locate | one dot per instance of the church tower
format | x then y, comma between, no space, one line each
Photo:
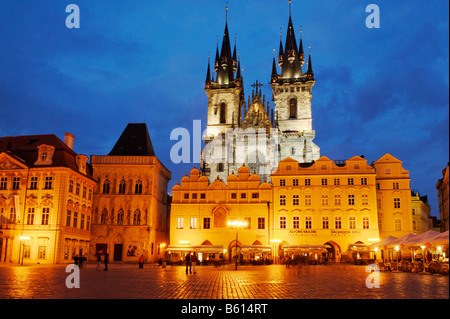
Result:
292,95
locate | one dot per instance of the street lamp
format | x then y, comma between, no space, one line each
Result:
376,250
236,224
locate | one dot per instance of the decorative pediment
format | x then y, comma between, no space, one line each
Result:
45,155
8,162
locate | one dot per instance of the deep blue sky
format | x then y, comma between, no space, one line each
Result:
377,91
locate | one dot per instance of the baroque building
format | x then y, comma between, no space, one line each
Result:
443,192
46,194
251,132
421,210
130,199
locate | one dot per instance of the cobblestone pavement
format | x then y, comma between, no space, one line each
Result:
248,282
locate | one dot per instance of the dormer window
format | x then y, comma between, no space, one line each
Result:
81,163
45,155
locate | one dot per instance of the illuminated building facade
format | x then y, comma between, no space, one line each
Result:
46,193
130,199
420,210
443,190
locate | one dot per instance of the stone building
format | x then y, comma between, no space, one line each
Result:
46,192
443,189
251,132
421,210
130,199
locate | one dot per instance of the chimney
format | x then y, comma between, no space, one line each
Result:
68,140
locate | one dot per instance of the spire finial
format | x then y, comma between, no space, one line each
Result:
289,8
226,13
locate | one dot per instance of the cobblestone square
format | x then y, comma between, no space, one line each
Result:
127,281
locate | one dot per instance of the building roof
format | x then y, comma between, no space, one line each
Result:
134,141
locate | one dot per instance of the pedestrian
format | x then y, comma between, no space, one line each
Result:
76,260
188,263
141,261
80,262
286,261
99,260
194,260
106,260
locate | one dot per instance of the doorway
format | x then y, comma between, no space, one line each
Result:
118,249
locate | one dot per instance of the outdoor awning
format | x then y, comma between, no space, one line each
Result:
306,248
198,249
255,248
359,247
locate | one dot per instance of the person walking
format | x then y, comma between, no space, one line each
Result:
80,262
188,263
194,260
99,261
141,261
106,260
76,260
286,261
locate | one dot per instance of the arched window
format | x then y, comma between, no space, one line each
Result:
223,113
122,187
120,217
293,108
137,217
104,217
138,187
106,187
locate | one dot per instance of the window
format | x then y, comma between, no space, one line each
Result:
106,187
282,200
365,200
45,215
398,225
137,217
296,222
283,222
77,189
202,195
206,223
220,167
233,195
34,182
138,187
352,222
255,195
282,182
193,223
307,182
16,183
363,180
324,182
293,108
413,211
356,166
307,200
75,219
324,200
337,200
30,216
12,215
308,222
104,217
414,225
395,186
122,187
396,202
243,195
351,200
351,181
295,200
70,185
68,218
120,217
337,182
3,183
84,191
186,195
180,222
338,222
378,186
261,223
42,250
88,223
223,113
82,221
194,196
325,222
90,194
48,182
365,221
295,182
379,203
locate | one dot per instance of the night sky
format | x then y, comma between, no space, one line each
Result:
377,91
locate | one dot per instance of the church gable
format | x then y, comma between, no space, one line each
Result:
8,162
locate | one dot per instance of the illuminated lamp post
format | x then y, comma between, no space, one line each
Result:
397,249
375,254
236,224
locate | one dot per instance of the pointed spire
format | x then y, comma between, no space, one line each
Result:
310,73
300,47
208,73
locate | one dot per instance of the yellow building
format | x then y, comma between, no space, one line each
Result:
393,197
443,192
420,213
200,213
130,201
46,192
